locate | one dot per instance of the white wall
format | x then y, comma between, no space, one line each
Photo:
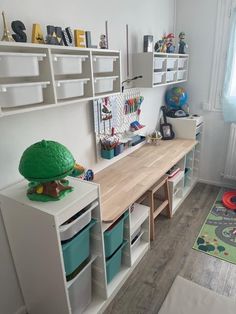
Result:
72,125
198,20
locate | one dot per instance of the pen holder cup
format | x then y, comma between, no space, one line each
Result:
118,149
107,154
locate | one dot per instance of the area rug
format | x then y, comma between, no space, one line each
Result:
186,297
218,234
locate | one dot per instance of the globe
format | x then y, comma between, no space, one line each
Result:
176,98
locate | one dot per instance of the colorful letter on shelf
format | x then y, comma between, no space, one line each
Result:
37,34
18,27
88,40
79,38
54,35
67,37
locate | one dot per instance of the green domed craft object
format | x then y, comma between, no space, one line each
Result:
45,164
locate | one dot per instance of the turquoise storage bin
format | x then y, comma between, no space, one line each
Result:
114,237
77,249
113,264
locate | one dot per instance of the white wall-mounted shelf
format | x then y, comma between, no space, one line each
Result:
72,75
159,69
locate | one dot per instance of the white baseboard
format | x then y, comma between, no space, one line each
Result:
217,183
21,310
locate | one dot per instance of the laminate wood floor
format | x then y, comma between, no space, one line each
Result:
171,254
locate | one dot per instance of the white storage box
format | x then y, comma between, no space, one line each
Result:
171,62
158,77
104,84
137,232
13,95
80,290
159,63
181,75
70,229
136,243
182,63
70,88
68,64
103,63
15,64
170,76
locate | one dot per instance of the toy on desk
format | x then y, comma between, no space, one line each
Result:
154,137
45,164
80,172
103,42
170,48
182,44
176,101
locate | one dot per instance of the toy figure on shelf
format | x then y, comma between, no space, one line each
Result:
164,45
103,42
158,45
6,33
169,43
182,44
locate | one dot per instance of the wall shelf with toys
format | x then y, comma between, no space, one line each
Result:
158,69
37,76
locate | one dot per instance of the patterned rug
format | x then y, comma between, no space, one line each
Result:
218,234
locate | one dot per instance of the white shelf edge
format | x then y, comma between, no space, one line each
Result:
139,251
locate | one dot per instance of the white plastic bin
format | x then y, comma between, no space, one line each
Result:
13,95
80,290
70,88
136,243
182,62
103,63
181,75
170,76
68,230
104,84
15,64
171,63
68,64
159,63
158,77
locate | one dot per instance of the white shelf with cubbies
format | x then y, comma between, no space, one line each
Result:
34,76
159,69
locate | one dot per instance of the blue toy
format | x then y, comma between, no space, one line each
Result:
176,98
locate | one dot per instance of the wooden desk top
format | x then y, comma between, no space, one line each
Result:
128,179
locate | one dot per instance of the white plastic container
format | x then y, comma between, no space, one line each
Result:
67,231
138,231
15,64
103,63
80,290
104,84
181,75
171,62
70,88
170,76
68,64
159,63
13,95
158,77
182,62
136,243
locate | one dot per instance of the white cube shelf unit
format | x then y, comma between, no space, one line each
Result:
34,76
159,69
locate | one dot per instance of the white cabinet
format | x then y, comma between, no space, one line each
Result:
34,76
160,68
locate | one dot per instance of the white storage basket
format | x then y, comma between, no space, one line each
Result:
70,88
103,63
15,64
158,77
68,64
68,230
136,243
170,76
159,63
171,63
181,75
182,63
104,84
13,95
80,290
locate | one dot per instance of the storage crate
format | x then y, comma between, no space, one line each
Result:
182,63
103,63
13,95
158,77
170,76
114,236
113,264
68,230
80,289
159,63
171,63
68,64
181,75
70,88
15,64
104,84
77,249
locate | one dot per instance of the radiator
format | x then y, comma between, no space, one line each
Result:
230,166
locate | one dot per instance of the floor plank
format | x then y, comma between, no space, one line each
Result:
172,254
